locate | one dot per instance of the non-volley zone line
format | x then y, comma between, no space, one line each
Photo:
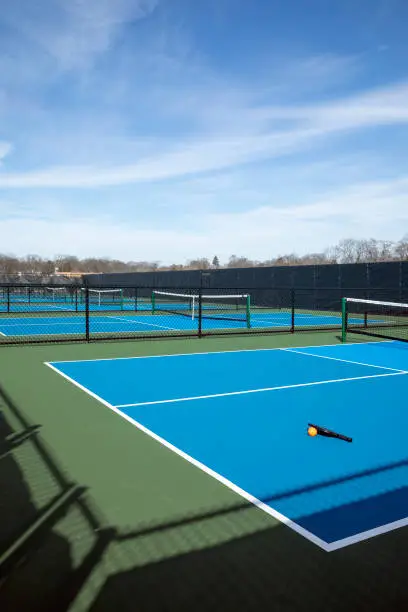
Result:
263,390
352,361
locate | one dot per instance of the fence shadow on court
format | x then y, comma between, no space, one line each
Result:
43,516
61,555
256,565
274,569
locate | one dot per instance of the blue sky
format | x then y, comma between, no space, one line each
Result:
172,129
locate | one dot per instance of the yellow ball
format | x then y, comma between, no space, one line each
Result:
312,431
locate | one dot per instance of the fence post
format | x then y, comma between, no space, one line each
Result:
400,282
87,314
343,319
292,308
200,313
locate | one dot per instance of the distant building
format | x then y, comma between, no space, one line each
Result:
70,274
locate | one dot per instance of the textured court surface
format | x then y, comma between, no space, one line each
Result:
100,516
242,417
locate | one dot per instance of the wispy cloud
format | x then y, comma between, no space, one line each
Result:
198,155
374,208
5,148
145,120
297,77
74,33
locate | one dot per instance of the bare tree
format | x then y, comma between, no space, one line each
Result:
199,264
349,250
287,260
239,262
401,249
9,264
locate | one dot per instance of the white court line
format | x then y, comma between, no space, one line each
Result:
258,350
4,324
300,352
253,500
60,307
81,321
365,535
1,334
247,391
125,319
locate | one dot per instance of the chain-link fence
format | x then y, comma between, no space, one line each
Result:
55,313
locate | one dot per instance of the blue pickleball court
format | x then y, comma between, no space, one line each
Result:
242,416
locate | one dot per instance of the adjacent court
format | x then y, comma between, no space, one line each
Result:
123,323
241,416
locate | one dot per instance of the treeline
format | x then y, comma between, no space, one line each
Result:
346,251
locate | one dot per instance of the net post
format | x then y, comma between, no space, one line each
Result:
200,312
29,295
76,299
87,314
343,319
8,299
292,311
248,310
153,303
121,299
135,298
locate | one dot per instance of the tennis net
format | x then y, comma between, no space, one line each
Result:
58,294
234,307
387,320
104,297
